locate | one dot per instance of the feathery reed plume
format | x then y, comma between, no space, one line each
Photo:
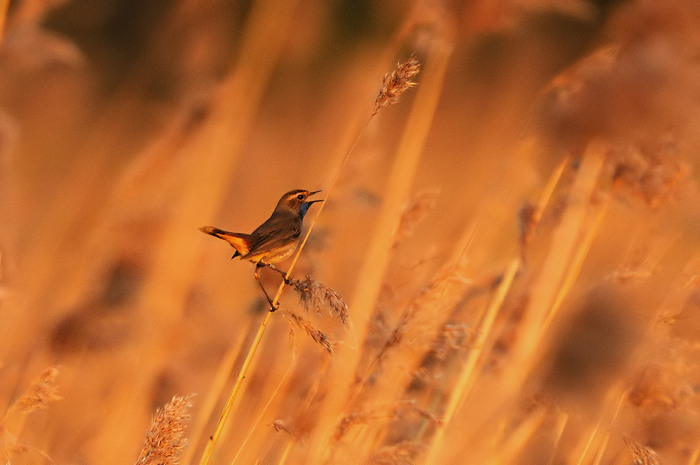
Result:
446,286
37,396
42,391
402,453
657,386
279,425
315,294
526,223
451,338
414,212
317,335
397,410
649,172
641,454
10,446
396,83
165,438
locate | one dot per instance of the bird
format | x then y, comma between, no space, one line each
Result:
273,241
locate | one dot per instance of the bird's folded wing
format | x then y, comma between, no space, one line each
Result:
272,239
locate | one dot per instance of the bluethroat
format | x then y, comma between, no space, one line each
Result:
273,241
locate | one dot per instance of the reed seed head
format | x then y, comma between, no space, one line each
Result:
414,212
402,453
316,334
399,410
42,391
10,446
396,83
165,438
280,425
316,295
641,454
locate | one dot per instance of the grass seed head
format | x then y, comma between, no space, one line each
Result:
415,211
641,454
396,83
42,391
402,453
316,334
314,295
165,438
279,425
399,410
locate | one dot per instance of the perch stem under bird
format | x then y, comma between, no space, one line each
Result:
273,241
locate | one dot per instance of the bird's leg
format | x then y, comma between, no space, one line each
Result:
273,307
283,273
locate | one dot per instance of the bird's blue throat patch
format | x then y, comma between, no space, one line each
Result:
303,209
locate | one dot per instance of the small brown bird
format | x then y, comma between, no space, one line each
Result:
273,241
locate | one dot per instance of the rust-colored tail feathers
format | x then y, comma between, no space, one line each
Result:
239,241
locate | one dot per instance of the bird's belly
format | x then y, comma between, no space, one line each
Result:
276,255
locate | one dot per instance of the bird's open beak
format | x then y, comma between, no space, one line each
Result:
313,201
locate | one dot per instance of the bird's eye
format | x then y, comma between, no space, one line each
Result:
300,196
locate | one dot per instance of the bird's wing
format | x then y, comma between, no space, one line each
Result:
240,242
276,232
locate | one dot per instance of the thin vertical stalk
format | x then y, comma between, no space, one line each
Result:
466,376
561,426
606,437
209,403
577,261
547,290
519,438
211,443
377,250
256,423
266,32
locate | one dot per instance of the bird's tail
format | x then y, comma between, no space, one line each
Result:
239,241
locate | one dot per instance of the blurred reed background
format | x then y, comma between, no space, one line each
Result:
517,239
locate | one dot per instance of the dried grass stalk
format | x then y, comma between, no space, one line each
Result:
396,83
417,319
165,438
279,425
42,391
316,334
651,173
12,450
452,337
10,446
402,453
316,295
414,212
393,411
379,242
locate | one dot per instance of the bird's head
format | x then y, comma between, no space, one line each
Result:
297,201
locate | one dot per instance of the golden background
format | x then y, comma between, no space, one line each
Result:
517,238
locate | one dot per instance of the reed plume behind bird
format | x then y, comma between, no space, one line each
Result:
273,241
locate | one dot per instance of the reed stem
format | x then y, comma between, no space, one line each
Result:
211,443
